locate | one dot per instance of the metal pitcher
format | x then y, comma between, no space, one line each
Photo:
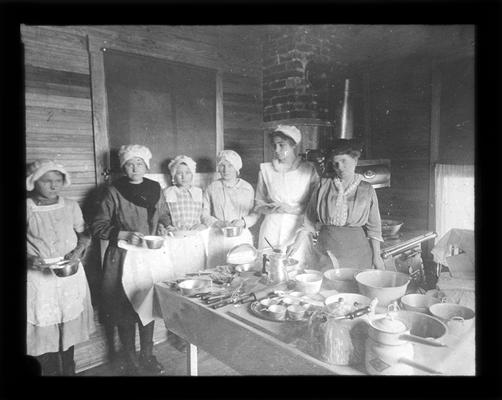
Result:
274,266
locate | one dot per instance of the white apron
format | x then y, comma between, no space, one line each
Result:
53,300
293,188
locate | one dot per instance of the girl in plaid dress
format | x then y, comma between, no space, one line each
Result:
184,200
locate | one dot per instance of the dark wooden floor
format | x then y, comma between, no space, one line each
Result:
174,362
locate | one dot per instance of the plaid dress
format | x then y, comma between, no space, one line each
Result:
185,206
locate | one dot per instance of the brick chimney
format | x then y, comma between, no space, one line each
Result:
287,96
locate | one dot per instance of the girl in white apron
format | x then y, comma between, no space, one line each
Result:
229,201
59,309
283,190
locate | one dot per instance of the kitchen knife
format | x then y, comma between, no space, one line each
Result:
246,298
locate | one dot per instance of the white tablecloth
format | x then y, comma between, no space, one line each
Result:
144,267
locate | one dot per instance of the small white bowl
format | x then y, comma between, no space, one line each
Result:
308,283
296,312
277,311
418,302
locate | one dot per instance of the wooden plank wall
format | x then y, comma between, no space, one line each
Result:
400,128
59,109
58,105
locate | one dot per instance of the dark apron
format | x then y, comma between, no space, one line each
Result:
348,244
115,307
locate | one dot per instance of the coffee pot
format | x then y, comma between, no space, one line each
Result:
275,267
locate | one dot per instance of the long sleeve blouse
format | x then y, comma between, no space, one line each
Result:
227,203
362,208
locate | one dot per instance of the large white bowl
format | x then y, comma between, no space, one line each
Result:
308,283
386,286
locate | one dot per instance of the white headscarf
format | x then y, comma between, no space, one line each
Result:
134,150
290,131
232,157
181,159
40,167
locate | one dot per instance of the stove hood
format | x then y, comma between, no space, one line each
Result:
376,171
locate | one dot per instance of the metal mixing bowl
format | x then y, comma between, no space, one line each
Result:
386,286
154,242
231,231
193,286
65,268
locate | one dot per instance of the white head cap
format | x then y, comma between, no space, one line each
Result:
232,157
290,131
40,167
134,150
181,159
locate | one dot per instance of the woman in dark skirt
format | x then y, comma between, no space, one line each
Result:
343,209
132,207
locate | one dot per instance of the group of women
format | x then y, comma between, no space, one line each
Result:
295,202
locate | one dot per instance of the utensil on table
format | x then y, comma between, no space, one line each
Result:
272,247
354,314
244,298
416,365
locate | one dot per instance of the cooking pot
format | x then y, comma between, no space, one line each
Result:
392,330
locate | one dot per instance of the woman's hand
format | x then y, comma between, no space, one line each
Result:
268,208
75,254
284,208
36,263
219,224
130,237
198,227
378,262
238,222
162,230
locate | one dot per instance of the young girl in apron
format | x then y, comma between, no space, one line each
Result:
59,309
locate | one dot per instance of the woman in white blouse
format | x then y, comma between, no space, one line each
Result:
229,201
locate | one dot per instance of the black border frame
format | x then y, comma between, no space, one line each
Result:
16,371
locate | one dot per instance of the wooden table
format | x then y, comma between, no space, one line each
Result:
253,346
